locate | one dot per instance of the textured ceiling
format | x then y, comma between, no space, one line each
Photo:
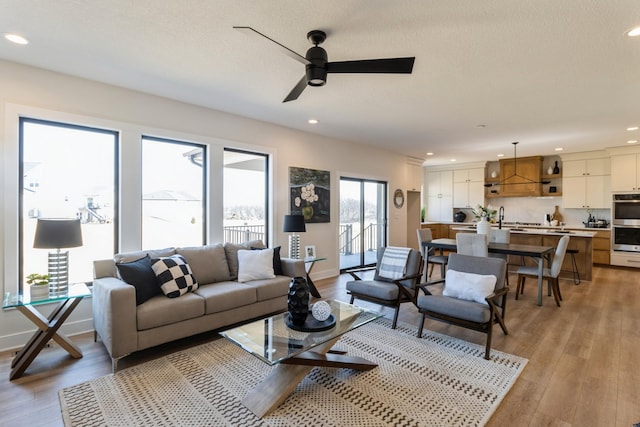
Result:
547,73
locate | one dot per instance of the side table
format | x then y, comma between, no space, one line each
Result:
308,266
47,326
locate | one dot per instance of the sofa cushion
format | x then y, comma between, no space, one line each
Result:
231,249
277,261
255,265
140,275
160,311
208,263
270,288
223,296
174,275
153,253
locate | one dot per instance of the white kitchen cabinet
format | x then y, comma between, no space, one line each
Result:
414,177
439,195
586,184
468,187
625,174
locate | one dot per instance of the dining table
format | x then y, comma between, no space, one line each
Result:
540,254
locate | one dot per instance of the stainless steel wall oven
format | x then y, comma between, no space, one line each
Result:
625,214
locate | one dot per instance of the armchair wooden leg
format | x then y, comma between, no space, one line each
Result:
487,350
520,286
395,317
421,326
431,269
352,298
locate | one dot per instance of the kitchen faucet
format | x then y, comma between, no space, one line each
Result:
500,217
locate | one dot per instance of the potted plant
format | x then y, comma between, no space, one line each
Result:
39,285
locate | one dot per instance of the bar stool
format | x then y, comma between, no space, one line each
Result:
574,266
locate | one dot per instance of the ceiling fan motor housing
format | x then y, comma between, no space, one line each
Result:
316,70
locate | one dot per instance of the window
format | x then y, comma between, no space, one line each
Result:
245,196
173,193
67,171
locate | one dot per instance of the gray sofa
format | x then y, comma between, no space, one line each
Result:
219,301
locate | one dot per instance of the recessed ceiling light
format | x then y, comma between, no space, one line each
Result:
313,121
500,155
15,38
453,160
559,148
632,141
481,126
429,153
634,32
632,128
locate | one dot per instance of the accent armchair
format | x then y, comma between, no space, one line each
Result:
385,291
474,296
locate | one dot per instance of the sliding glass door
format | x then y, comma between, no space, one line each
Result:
362,221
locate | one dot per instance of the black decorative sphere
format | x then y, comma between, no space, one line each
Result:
298,300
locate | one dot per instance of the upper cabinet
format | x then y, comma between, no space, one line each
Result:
586,182
415,173
625,174
468,187
439,187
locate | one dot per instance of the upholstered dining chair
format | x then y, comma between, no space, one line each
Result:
501,235
474,296
425,235
550,274
387,291
472,244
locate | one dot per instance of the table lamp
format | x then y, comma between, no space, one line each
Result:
294,224
58,234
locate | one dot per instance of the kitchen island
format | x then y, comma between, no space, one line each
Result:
580,240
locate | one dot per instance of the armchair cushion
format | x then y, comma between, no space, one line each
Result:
387,291
469,286
455,308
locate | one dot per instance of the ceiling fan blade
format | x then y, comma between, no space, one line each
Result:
388,65
297,90
291,54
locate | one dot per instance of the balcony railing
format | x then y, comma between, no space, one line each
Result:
243,233
350,243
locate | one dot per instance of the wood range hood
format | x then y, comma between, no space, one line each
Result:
521,177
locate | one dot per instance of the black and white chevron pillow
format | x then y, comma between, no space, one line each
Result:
174,275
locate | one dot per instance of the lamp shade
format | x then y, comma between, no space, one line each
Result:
294,224
57,233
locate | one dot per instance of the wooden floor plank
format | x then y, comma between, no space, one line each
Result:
582,371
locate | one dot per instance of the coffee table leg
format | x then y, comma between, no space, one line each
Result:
285,377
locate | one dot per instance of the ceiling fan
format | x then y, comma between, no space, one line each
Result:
317,65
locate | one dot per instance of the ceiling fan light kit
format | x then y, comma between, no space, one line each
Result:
317,64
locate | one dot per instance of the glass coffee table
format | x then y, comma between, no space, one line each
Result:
296,353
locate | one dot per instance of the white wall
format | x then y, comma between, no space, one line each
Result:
27,90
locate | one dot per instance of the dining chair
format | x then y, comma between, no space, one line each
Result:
425,235
472,244
386,291
549,273
501,235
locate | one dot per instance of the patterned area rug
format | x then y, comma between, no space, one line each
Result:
433,381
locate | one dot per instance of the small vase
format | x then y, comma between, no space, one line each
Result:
483,226
550,170
307,212
298,300
556,169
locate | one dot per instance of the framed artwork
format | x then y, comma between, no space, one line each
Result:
310,251
309,192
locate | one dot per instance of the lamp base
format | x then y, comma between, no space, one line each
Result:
58,272
294,246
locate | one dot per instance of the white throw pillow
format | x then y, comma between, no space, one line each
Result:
255,265
469,286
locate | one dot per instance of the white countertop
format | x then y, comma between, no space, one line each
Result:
553,231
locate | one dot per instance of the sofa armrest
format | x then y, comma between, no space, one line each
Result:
293,267
104,268
114,315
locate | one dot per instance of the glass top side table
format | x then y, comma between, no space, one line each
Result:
47,326
308,266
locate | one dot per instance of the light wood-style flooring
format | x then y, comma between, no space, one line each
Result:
583,357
